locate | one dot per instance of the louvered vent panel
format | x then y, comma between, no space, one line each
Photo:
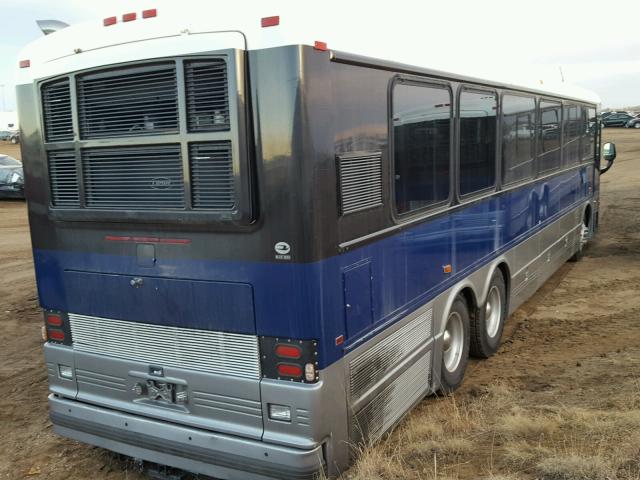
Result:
360,181
128,102
212,180
141,177
63,178
56,110
207,95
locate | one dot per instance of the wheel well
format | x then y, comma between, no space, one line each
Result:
506,275
470,298
587,216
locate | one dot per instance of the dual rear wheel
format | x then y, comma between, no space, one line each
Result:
475,333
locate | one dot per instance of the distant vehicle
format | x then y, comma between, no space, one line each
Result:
11,178
616,120
15,137
604,115
5,135
633,123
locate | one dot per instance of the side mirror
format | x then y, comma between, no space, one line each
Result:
609,154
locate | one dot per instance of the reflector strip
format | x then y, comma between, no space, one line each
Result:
172,241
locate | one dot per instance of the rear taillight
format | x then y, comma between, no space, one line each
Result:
56,328
288,359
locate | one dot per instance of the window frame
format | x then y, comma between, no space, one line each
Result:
464,198
539,152
534,160
421,82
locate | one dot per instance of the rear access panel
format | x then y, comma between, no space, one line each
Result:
207,305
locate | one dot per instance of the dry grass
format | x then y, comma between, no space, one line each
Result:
498,435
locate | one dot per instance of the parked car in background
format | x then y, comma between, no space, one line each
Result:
5,135
11,178
633,123
616,120
15,137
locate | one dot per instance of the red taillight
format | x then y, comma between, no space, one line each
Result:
129,17
109,21
288,351
152,12
270,21
322,46
57,335
289,370
54,320
25,63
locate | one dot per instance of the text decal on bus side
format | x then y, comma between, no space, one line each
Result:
283,250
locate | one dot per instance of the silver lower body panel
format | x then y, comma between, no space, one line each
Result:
191,449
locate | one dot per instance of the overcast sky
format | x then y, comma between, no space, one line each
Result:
595,43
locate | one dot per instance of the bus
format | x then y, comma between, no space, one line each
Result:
254,251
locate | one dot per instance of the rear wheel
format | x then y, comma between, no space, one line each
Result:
487,326
584,238
455,346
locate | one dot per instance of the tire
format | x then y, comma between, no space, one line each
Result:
14,140
577,256
488,324
455,346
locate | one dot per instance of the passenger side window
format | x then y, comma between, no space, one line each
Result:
550,127
571,147
518,138
477,140
421,145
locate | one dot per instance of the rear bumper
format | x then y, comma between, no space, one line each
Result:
190,449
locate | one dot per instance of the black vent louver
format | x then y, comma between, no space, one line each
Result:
207,95
56,110
136,178
212,180
128,102
63,179
360,181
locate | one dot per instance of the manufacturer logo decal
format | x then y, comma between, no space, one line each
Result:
283,249
160,183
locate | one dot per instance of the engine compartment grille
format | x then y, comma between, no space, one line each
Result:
120,162
128,102
63,177
56,111
140,177
202,350
207,95
212,182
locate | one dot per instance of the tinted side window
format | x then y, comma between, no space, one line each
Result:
591,130
477,141
518,137
550,128
421,143
571,147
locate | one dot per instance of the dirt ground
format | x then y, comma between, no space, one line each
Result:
560,401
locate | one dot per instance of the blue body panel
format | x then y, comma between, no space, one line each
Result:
297,300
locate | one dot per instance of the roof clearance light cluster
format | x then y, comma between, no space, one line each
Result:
130,17
270,21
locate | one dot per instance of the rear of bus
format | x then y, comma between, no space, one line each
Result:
166,235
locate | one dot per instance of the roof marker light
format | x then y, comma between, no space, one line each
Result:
129,17
270,21
152,12
109,21
322,46
25,63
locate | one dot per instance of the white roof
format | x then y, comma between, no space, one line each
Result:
179,30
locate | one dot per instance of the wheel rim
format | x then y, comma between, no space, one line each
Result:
493,311
453,342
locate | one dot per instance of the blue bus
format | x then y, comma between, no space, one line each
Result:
252,257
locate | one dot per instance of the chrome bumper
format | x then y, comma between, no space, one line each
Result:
190,449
